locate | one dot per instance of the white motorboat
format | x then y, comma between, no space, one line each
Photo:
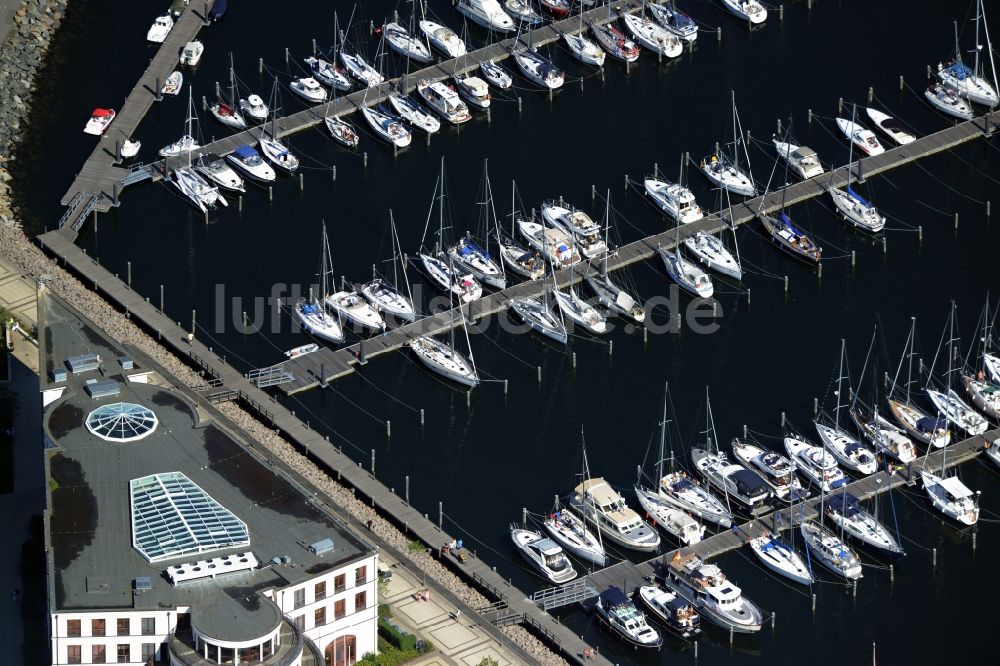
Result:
254,107
328,74
815,463
553,244
526,263
715,596
191,53
748,10
687,275
402,42
585,232
468,255
931,431
669,518
358,68
584,50
674,199
196,189
727,175
445,360
802,160
614,42
444,101
342,131
415,115
601,506
684,492
488,14
954,409
100,120
249,161
173,83
544,555
775,469
387,128
890,126
616,299
731,479
388,300
617,611
670,610
474,90
278,154
951,497
465,287
778,556
353,309
182,146
579,312
884,436
228,115
129,148
309,89
570,532
495,75
538,316
944,100
831,551
674,20
847,515
864,139
985,394
523,12
215,169
653,36
539,69
302,350
161,27
714,255
848,451
959,78
443,39
856,210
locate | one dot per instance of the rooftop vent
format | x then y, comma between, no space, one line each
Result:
125,362
103,389
143,584
210,568
83,363
322,547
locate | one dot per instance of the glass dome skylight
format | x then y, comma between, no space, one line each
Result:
121,422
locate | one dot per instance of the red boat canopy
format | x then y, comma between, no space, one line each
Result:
102,113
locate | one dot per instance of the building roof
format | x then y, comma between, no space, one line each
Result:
90,529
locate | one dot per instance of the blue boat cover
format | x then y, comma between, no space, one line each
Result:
478,249
960,70
839,482
681,20
219,8
613,596
245,152
787,221
845,504
310,308
465,250
683,484
931,423
857,197
852,447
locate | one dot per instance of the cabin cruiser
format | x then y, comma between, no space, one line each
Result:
414,114
818,466
228,115
328,74
724,173
387,128
674,199
789,238
278,154
748,10
99,121
951,497
314,318
944,100
584,50
731,479
963,81
802,160
856,210
778,556
254,107
196,188
567,529
930,430
615,298
847,515
669,518
686,274
444,101
674,20
775,469
184,145
653,36
526,263
248,160
487,13
173,84
443,359
443,39
387,300
831,551
342,131
957,412
890,126
846,449
215,169
713,254
465,287
191,54
161,27
886,437
715,596
984,393
402,42
600,505
474,90
537,315
580,312
615,42
538,69
309,89
670,610
353,309
617,611
468,255
679,489
523,12
360,69
862,138
554,244
543,554
495,75
578,224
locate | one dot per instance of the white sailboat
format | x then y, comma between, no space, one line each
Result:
271,146
311,313
947,102
980,386
831,551
569,531
443,39
328,73
226,111
384,295
353,309
495,75
774,553
686,274
748,10
538,69
359,68
579,311
932,431
972,83
414,114
405,44
848,451
488,14
387,128
583,49
674,20
187,142
845,512
652,35
725,172
947,401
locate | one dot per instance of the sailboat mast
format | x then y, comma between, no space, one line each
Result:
840,382
232,81
663,422
989,46
607,226
441,217
736,137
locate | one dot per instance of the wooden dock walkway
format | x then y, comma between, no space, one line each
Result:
328,364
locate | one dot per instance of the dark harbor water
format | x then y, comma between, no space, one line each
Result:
773,351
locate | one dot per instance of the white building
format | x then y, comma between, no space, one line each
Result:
169,541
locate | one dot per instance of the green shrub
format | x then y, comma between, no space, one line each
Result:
415,546
384,612
489,661
399,640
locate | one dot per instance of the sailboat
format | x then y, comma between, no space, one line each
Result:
443,39
538,315
359,68
982,389
274,150
972,84
535,67
614,41
469,255
931,431
831,551
684,273
311,313
946,101
523,261
226,111
385,296
189,182
949,495
523,12
388,128
495,75
415,115
788,237
579,311
569,531
844,447
405,44
674,20
186,143
947,401
725,172
609,294
652,35
215,169
354,309
774,553
582,48
845,512
748,10
328,73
